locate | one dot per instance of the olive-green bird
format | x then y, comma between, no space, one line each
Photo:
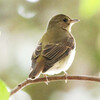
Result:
56,49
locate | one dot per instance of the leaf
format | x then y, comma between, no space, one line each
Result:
88,8
4,94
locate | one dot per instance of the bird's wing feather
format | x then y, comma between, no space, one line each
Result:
36,54
53,52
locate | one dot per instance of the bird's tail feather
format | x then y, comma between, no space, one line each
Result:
36,71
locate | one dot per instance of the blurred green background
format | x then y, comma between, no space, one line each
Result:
23,22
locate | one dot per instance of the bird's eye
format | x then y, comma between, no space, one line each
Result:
65,20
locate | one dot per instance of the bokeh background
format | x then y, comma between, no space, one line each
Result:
23,22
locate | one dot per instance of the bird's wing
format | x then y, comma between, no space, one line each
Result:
36,54
53,52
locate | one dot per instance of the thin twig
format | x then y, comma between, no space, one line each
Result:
55,78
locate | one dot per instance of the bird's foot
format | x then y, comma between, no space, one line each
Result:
66,76
47,81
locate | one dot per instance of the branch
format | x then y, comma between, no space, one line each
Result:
55,78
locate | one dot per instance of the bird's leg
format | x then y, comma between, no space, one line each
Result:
47,81
65,76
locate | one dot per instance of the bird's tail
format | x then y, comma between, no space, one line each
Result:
37,70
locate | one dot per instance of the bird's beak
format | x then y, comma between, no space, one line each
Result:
73,21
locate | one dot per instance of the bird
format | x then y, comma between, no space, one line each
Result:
56,49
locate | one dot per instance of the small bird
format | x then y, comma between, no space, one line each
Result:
56,49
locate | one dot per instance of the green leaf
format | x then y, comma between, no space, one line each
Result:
88,8
4,94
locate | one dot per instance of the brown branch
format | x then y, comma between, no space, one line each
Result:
55,78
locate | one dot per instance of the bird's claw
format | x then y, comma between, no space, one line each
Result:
47,81
65,77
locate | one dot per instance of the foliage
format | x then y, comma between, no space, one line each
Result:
4,94
89,7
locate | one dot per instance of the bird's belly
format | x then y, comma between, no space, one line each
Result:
62,65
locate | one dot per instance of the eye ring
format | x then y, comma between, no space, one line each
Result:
65,19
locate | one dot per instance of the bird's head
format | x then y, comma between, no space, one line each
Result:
62,21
